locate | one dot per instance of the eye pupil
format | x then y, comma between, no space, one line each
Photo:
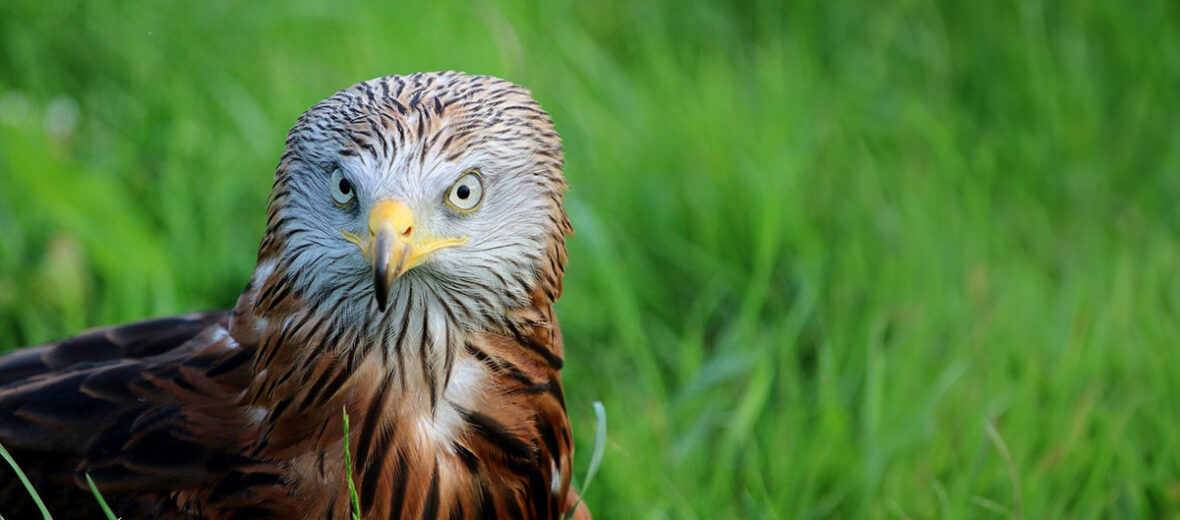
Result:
466,193
345,187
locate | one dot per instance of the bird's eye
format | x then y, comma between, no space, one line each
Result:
467,192
342,191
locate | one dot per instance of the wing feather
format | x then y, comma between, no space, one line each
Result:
141,408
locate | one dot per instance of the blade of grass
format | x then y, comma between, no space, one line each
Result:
595,456
353,498
1013,474
25,480
599,444
106,509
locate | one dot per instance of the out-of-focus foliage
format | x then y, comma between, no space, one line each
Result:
822,247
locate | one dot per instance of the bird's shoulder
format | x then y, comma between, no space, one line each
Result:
524,423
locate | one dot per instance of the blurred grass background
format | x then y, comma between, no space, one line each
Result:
833,259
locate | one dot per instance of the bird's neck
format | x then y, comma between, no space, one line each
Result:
441,397
309,364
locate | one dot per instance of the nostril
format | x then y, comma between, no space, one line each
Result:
406,233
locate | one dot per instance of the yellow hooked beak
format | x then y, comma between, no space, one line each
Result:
391,246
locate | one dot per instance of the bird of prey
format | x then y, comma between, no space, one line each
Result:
414,248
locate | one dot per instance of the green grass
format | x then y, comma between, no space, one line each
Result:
833,259
102,503
24,480
16,471
354,502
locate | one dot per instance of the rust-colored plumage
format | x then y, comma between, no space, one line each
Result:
383,288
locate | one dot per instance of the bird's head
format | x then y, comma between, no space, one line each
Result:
434,191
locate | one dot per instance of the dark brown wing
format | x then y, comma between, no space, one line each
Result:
118,403
131,341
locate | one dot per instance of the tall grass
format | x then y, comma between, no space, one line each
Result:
858,259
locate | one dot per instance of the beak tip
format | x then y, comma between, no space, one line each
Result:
380,293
